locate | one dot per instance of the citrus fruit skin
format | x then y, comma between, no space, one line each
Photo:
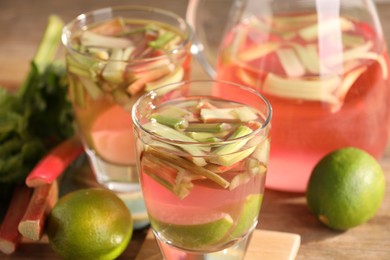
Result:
346,188
90,223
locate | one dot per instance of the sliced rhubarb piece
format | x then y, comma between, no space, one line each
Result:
89,38
92,88
348,81
238,180
203,136
113,28
55,163
308,55
163,39
216,115
257,51
114,70
290,62
174,178
230,148
222,168
350,54
352,40
173,77
148,77
9,234
245,114
230,159
194,169
169,133
228,154
99,52
324,27
42,201
175,122
208,127
316,89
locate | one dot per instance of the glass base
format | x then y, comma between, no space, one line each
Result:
123,180
235,252
118,178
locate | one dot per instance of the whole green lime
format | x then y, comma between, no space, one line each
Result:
90,223
346,188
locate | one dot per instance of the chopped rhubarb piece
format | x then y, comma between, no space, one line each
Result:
290,62
232,158
42,201
258,51
150,76
110,28
114,70
222,168
307,89
9,234
55,163
238,180
218,115
173,77
308,55
93,90
172,134
209,128
237,145
194,169
324,27
89,38
348,81
203,136
162,40
177,123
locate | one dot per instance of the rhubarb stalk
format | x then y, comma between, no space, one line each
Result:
42,201
55,163
9,234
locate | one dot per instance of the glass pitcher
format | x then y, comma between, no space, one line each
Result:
323,65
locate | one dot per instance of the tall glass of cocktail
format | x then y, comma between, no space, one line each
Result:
113,56
202,160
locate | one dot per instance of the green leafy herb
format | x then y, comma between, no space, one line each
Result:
38,116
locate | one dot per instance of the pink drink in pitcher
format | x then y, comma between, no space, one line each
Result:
327,82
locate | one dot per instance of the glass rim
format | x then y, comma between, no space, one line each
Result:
66,31
263,126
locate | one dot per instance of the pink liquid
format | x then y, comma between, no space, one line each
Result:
188,208
305,130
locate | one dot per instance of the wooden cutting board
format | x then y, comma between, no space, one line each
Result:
264,245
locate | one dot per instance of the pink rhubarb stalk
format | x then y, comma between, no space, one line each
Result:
55,163
42,201
9,234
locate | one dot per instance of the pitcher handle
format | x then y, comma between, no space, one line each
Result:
197,48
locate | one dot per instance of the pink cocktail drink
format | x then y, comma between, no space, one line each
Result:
203,161
114,56
327,79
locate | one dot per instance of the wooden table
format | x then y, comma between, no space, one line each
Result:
21,26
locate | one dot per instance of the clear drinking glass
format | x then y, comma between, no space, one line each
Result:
113,56
202,160
322,64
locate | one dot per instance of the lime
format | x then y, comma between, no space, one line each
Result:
346,188
196,236
249,214
90,223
